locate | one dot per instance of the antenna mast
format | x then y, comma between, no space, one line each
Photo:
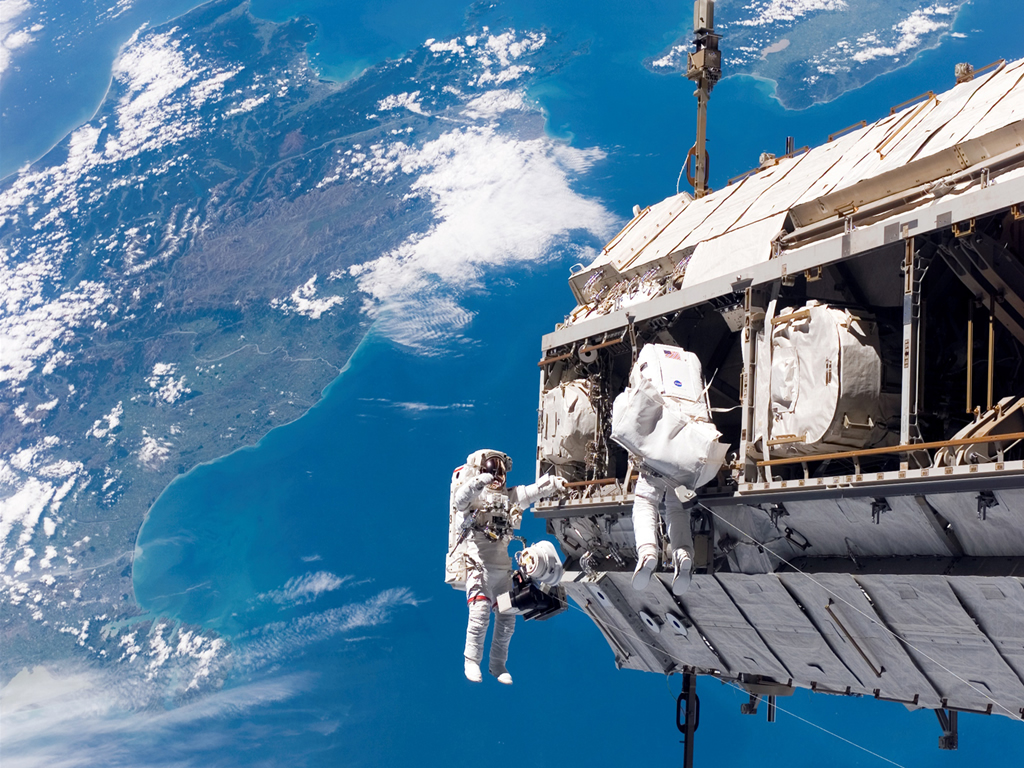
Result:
703,67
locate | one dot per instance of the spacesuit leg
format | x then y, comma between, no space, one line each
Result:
680,538
479,618
497,582
645,531
504,626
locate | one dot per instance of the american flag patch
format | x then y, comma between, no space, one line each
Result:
671,354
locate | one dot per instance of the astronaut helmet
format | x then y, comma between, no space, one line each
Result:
493,463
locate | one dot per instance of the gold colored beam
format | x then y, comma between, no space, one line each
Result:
896,449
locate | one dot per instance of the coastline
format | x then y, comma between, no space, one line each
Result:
352,364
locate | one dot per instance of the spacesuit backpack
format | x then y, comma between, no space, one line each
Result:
663,418
455,562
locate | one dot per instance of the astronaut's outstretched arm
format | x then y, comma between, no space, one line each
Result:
465,495
523,496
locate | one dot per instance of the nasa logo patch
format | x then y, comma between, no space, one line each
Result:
678,383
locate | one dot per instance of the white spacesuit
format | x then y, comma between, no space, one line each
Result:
652,497
663,418
484,515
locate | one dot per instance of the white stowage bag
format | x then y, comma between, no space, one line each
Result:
663,418
819,382
568,422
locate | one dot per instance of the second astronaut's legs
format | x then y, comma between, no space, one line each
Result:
650,501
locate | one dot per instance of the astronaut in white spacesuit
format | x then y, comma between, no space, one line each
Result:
651,498
484,515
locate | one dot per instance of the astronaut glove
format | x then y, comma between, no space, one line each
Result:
473,488
550,485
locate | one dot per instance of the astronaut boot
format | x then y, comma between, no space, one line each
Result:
499,671
682,566
647,561
473,671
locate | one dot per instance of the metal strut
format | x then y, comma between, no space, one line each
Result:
947,721
688,716
704,68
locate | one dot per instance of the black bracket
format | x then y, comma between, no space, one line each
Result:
947,721
688,716
775,511
986,500
750,708
878,506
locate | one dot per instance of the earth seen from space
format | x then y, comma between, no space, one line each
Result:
269,271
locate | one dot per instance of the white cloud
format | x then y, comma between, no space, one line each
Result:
909,33
498,202
305,589
674,58
452,46
768,12
168,389
154,451
21,511
408,101
493,103
248,105
79,718
274,642
154,73
416,408
11,38
303,301
34,334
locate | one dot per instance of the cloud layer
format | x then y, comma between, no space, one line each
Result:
498,202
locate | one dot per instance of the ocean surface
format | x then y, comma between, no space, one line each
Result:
358,487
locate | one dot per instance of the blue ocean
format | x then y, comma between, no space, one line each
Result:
346,507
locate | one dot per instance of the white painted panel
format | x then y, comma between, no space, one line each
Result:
868,648
950,105
786,630
774,181
1009,110
604,602
663,233
736,642
733,252
645,231
846,172
845,526
808,169
753,529
993,88
1000,534
969,110
908,133
688,650
718,216
942,639
824,160
998,606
